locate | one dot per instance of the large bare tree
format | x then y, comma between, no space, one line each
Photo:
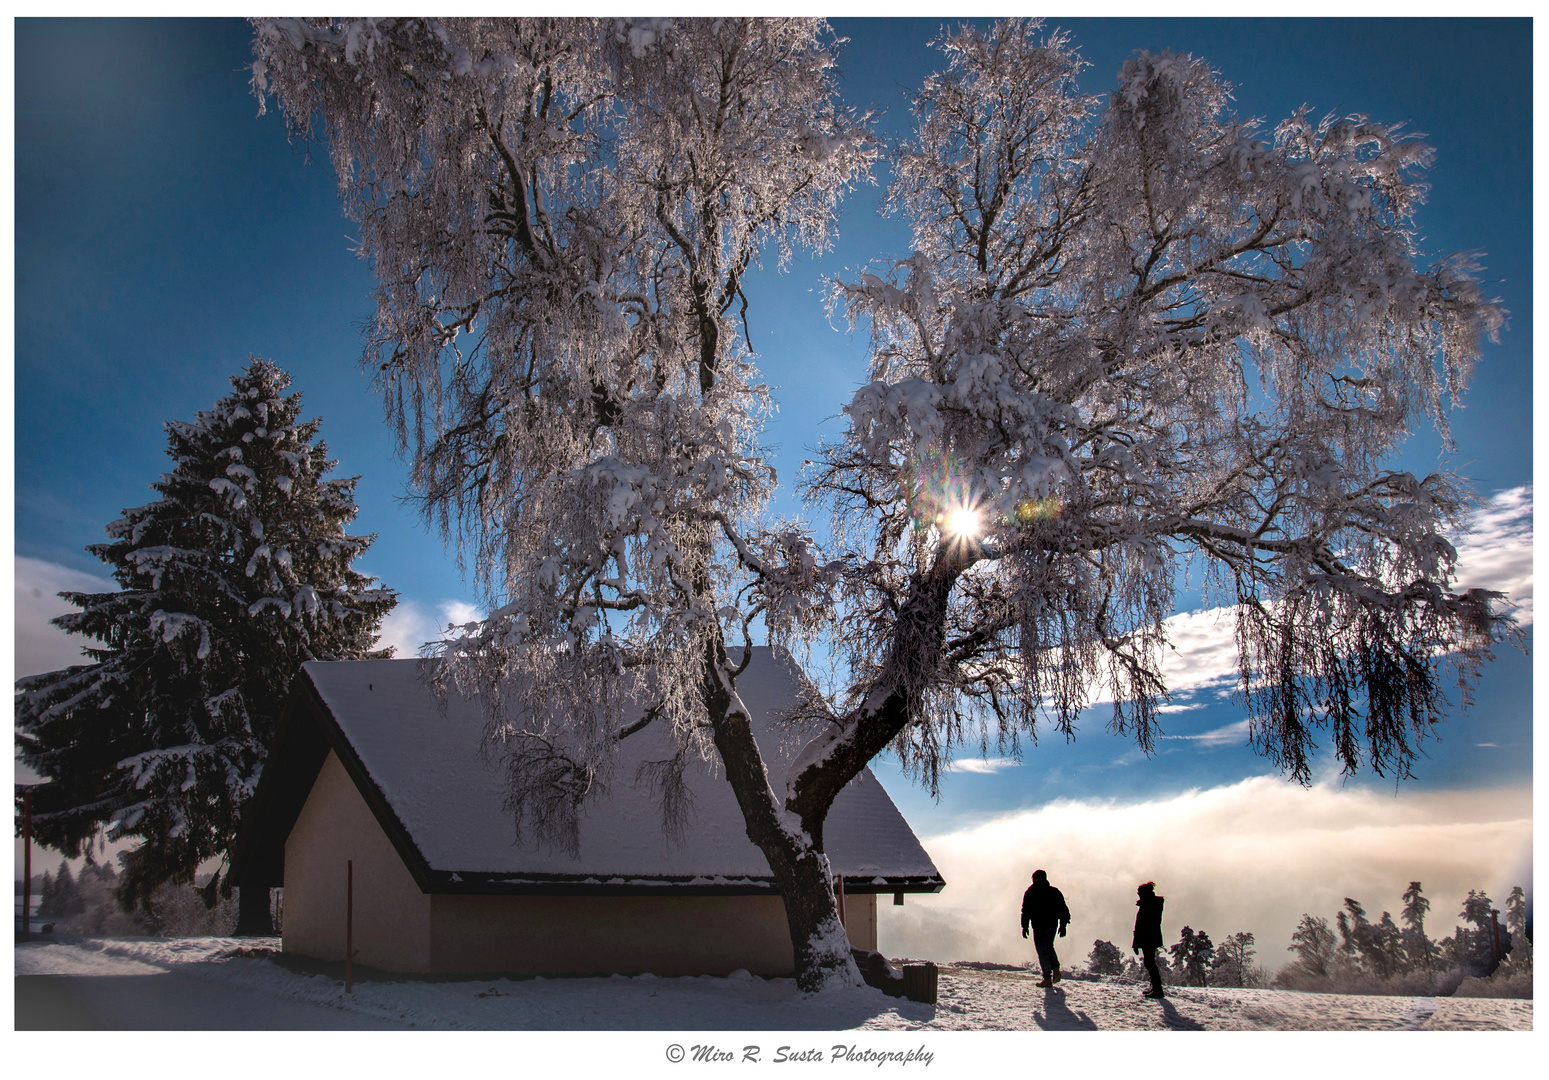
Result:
1133,332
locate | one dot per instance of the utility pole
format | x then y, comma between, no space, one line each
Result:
27,866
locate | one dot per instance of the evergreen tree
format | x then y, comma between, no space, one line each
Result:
1517,928
1354,930
1516,912
1384,948
1192,956
1420,952
59,896
1313,944
1105,959
1474,944
237,574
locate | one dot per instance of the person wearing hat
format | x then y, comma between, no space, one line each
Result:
1148,934
1043,909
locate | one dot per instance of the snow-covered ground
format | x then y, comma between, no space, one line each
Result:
971,999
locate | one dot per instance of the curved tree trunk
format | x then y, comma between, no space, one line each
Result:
789,829
253,917
801,870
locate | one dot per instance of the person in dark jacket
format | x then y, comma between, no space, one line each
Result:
1043,909
1148,934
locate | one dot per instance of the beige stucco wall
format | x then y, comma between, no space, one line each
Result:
399,928
677,935
668,935
391,915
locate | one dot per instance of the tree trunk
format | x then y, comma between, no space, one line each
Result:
253,918
801,871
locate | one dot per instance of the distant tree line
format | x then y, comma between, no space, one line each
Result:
1361,955
1195,961
1358,954
90,904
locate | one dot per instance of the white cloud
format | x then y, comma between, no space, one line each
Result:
40,645
1497,552
409,626
1251,856
1230,735
459,613
984,765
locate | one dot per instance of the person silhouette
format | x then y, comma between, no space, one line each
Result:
1043,909
1148,934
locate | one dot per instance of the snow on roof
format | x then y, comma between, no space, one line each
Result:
426,763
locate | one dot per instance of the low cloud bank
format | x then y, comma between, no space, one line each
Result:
1248,856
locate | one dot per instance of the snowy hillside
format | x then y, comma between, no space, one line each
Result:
971,999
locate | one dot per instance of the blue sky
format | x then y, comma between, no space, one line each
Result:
164,231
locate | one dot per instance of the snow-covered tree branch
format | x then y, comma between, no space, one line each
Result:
1130,337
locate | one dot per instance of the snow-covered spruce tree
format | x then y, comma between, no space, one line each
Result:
1192,957
1105,959
1130,336
229,581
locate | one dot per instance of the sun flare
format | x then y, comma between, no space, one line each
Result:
963,523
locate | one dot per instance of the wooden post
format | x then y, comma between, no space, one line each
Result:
920,982
349,921
27,866
839,896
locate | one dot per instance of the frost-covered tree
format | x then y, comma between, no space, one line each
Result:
1105,959
1355,931
1517,927
1474,944
1420,952
59,895
1516,911
1385,948
1192,957
1232,964
237,574
1135,334
561,214
1313,944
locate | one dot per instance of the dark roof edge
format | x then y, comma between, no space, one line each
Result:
580,885
276,805
397,834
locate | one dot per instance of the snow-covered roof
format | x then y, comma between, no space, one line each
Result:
420,768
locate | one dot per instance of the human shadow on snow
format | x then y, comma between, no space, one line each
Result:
1057,1016
1176,1020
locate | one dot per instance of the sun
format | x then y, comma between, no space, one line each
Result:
963,523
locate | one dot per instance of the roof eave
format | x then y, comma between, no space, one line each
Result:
472,884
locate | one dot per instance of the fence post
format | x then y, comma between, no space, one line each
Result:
839,896
349,922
